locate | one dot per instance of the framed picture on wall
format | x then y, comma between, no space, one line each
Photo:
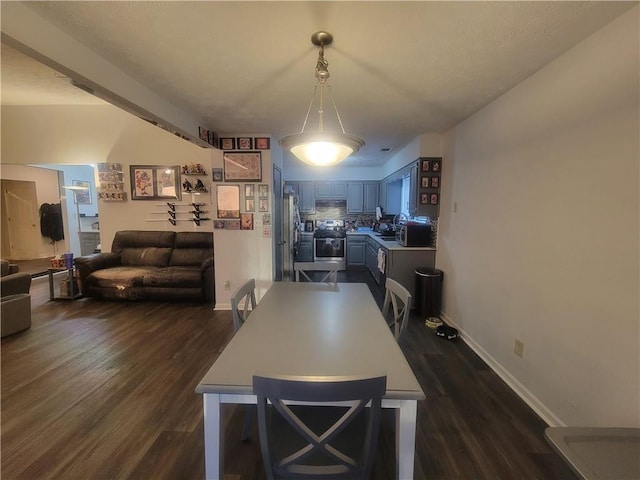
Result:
227,143
152,182
425,166
262,143
424,182
424,199
242,166
82,197
433,198
245,143
435,182
436,163
246,221
228,199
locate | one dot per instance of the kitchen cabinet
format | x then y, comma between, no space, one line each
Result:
371,260
371,196
307,197
305,249
331,190
402,264
89,241
356,250
362,197
355,197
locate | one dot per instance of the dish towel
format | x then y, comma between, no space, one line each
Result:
382,257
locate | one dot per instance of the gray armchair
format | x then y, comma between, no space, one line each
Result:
15,301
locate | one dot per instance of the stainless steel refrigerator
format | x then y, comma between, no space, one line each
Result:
290,234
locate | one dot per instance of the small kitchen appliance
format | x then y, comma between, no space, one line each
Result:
414,235
308,226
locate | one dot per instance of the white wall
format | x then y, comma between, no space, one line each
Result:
94,134
539,232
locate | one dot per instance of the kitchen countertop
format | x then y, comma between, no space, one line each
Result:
389,244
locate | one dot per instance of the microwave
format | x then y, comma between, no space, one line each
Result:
414,235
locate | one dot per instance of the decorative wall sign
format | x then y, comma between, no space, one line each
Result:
149,182
245,166
216,174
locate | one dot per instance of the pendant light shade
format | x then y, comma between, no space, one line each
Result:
321,148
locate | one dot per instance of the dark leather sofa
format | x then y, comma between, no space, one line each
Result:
151,265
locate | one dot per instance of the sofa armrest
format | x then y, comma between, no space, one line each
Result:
98,261
15,283
208,278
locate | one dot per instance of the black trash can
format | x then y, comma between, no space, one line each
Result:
428,294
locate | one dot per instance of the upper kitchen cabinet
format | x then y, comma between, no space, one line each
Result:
307,194
362,197
331,190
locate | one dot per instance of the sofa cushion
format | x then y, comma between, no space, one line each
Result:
192,248
148,256
177,277
121,277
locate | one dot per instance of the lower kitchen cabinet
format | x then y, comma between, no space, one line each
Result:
356,250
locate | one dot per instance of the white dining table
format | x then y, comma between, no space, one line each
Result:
311,329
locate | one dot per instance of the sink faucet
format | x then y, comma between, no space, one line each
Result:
399,216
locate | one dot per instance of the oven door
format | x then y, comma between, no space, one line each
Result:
329,248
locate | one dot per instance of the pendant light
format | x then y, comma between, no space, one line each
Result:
321,148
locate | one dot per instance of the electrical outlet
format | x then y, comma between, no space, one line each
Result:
227,285
518,348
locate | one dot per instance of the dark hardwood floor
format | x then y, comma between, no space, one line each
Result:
105,390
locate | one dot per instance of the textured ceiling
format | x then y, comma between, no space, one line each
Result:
398,69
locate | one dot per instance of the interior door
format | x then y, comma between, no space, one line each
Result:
276,227
20,220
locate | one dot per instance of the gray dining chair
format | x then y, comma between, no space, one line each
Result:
245,293
398,300
243,298
322,440
304,268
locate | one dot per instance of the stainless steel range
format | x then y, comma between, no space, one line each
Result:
329,242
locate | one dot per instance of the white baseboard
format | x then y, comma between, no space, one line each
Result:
529,398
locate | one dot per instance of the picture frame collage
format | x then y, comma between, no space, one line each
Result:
430,170
255,198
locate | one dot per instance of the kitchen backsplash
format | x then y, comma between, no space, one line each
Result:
337,210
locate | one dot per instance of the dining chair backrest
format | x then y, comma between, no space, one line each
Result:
334,448
304,268
245,293
398,300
